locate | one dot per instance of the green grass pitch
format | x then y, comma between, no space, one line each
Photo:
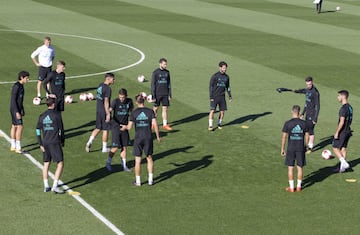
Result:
229,181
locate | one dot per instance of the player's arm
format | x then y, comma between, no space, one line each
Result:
61,130
283,142
107,109
153,85
38,135
317,106
129,125
339,128
169,87
13,103
212,87
33,56
300,91
228,89
156,128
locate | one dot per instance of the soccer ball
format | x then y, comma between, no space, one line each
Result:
149,98
90,96
83,97
338,8
36,101
326,154
143,94
141,78
68,99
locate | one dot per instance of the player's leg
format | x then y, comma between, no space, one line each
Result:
221,117
299,178
150,168
38,88
56,153
94,133
290,162
12,137
18,134
338,145
165,106
222,107
124,141
45,171
211,114
105,135
137,170
58,173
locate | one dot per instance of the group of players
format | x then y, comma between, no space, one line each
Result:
298,132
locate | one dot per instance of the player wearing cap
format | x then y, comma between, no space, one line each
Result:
343,130
161,91
103,97
17,111
46,55
51,126
219,84
121,107
56,82
311,109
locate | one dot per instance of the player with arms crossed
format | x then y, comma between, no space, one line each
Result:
121,107
311,109
161,90
51,126
103,97
295,130
143,119
56,81
17,111
219,84
343,130
46,55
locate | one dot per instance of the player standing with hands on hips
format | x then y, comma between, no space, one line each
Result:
51,126
219,84
161,91
343,130
17,111
295,130
143,119
46,55
311,109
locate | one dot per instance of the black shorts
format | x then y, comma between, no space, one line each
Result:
15,121
298,156
43,72
220,100
164,100
343,140
59,106
100,122
119,138
53,152
310,125
143,145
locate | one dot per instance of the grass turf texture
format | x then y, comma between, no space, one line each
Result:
230,181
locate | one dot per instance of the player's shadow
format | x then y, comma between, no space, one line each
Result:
81,90
75,131
323,143
191,118
185,167
251,117
328,11
323,173
33,146
89,178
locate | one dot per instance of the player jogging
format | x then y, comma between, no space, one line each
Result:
17,111
143,119
46,55
161,90
343,130
295,131
121,107
219,84
103,97
50,124
311,109
56,79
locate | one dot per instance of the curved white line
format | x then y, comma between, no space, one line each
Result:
142,55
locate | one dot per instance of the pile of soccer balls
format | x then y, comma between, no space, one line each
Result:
86,96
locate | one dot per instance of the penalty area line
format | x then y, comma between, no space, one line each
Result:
97,214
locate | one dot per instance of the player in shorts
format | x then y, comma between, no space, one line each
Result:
50,125
219,84
311,109
46,55
343,130
143,119
121,107
17,111
103,97
296,132
161,91
56,81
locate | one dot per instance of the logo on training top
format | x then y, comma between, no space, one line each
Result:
99,92
297,133
221,81
59,81
47,122
163,78
142,117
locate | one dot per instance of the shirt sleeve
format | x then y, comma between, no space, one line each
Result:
228,87
14,94
153,85
169,85
38,132
35,53
211,87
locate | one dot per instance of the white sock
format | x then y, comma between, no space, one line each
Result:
211,122
291,183
219,122
164,122
151,177
342,160
90,140
311,145
39,95
17,144
104,145
123,161
299,183
55,184
13,143
46,183
137,179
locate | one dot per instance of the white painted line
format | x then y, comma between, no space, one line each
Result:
77,197
142,55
